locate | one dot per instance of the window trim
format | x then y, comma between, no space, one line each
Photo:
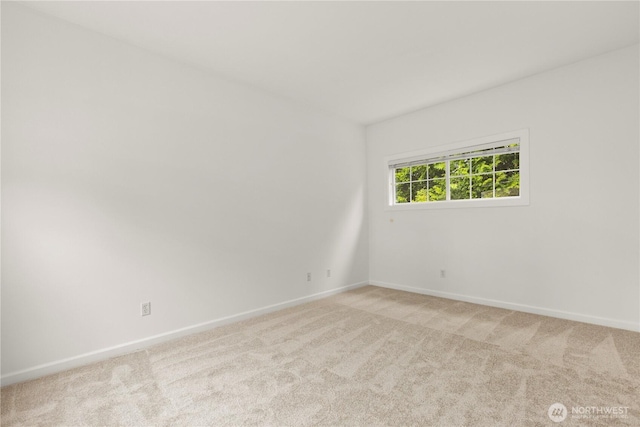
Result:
453,148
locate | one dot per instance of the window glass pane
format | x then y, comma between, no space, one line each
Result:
507,184
507,161
482,186
482,164
437,170
460,167
402,193
437,189
419,191
402,174
418,173
460,188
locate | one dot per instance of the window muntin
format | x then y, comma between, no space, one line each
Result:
488,171
420,183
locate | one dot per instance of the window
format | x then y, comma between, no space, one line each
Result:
489,171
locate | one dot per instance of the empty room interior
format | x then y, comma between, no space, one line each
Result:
320,213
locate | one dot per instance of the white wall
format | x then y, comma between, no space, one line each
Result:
127,177
573,252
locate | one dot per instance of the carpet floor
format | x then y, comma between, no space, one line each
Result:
367,357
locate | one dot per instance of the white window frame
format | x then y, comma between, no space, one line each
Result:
460,147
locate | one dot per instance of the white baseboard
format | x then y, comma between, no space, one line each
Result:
130,347
602,321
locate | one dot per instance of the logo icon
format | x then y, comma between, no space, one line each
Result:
557,412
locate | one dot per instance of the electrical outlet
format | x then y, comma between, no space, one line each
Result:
328,272
145,308
308,277
443,274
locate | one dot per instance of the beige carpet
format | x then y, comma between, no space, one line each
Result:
367,357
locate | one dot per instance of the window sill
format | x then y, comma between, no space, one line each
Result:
455,204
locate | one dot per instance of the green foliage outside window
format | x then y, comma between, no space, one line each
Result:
421,183
478,177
